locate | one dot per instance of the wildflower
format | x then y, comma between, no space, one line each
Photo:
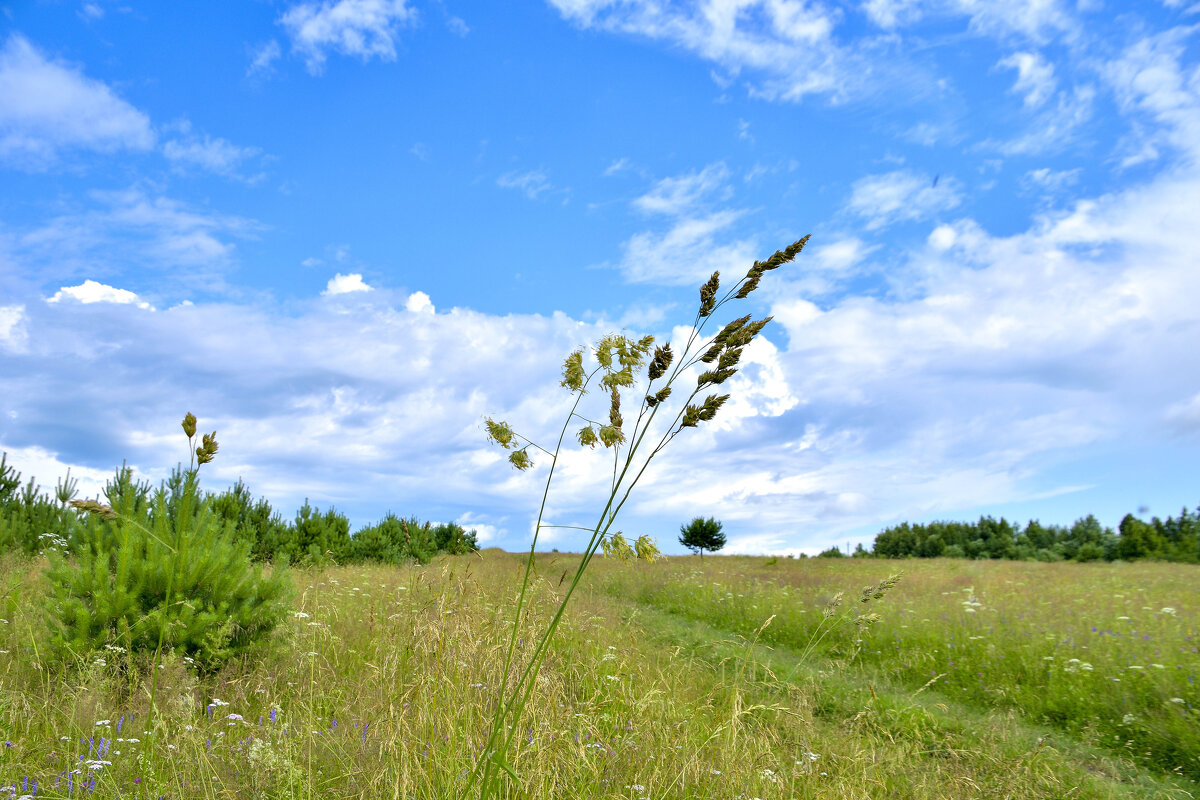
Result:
301,615
1178,700
1168,610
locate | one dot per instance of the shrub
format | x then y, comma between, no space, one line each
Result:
148,578
452,538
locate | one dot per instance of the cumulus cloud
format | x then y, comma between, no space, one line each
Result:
94,292
419,303
363,28
51,108
901,196
346,284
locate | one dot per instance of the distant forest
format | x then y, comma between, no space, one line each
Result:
1172,539
32,521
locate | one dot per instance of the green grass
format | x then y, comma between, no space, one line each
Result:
654,686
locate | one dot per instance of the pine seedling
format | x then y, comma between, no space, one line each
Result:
625,429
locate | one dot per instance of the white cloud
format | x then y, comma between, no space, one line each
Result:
1150,82
47,468
457,26
687,253
1051,180
129,229
1035,77
363,28
622,164
1053,129
419,303
901,195
892,13
93,292
263,57
1034,20
13,335
788,44
678,195
50,107
843,254
346,284
214,155
532,183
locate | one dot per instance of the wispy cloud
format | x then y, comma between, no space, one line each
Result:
217,155
688,252
122,230
263,57
51,108
1035,77
787,46
678,195
1053,129
532,183
901,196
1152,84
363,28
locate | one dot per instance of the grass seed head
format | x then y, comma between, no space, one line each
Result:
708,294
661,362
189,425
573,374
499,432
207,449
95,507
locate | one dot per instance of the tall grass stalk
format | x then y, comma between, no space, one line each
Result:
616,361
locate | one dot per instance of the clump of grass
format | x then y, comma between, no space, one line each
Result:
615,365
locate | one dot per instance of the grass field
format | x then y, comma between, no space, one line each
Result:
967,679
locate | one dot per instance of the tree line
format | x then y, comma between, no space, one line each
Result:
32,520
1173,539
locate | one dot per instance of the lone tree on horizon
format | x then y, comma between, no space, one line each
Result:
702,534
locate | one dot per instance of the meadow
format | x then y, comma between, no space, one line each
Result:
727,677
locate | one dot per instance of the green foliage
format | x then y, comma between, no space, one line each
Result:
30,521
452,538
832,552
1175,539
161,574
317,538
253,522
397,541
702,534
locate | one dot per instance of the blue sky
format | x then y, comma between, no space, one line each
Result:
343,233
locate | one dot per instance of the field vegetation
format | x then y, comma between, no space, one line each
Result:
666,680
